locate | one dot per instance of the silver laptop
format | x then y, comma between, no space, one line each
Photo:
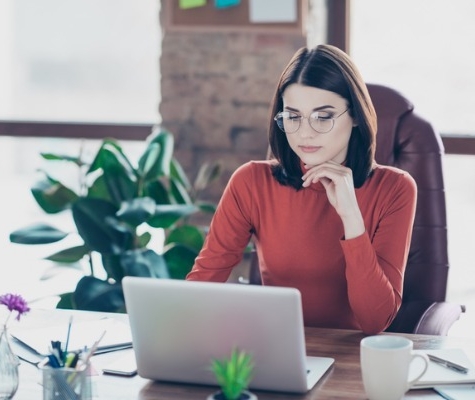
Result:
179,326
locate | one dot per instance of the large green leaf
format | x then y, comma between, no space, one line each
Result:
168,214
158,191
109,155
207,174
180,260
66,301
61,157
178,173
37,234
96,223
149,159
71,255
113,266
160,164
120,188
187,235
179,192
99,190
52,196
119,175
144,262
97,295
136,211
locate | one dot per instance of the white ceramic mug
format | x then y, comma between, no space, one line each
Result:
385,362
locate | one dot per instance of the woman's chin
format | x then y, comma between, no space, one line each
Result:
314,159
311,159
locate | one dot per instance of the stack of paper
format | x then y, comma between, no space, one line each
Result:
456,392
82,335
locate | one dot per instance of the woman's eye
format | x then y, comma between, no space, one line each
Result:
321,117
293,116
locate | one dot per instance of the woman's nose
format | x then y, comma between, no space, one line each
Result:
305,129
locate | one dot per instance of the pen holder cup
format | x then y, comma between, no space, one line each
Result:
66,383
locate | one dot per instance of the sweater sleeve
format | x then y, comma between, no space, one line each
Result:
375,263
230,230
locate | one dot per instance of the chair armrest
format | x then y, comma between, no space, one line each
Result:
439,318
426,317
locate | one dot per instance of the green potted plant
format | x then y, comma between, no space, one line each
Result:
233,375
118,206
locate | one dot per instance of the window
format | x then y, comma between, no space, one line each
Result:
423,48
79,60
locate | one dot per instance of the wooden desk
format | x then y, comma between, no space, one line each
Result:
342,381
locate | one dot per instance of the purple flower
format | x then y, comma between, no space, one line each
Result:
15,302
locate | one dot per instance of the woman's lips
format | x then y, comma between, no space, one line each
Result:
309,149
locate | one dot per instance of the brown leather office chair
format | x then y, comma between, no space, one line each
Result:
409,142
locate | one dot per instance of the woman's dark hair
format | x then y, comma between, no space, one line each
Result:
329,68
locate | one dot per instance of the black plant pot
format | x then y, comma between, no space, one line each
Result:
246,395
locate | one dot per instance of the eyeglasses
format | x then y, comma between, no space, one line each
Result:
321,122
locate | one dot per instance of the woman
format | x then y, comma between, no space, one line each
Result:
326,218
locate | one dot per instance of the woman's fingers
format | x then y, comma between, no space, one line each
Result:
331,171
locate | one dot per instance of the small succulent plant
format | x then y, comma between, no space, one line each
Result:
233,374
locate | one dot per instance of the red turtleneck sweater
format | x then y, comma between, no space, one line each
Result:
352,284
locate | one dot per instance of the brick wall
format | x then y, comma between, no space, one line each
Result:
216,89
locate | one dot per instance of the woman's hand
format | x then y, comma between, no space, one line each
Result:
338,183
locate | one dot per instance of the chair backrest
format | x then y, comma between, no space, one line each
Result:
407,141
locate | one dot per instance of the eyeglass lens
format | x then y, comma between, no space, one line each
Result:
290,122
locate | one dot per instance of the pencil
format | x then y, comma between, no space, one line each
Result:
93,349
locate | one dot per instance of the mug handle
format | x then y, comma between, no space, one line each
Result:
426,365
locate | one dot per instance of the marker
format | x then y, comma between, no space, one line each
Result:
74,360
53,361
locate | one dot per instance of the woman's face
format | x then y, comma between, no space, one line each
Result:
311,147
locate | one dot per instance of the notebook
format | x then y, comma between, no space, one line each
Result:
179,326
439,375
82,334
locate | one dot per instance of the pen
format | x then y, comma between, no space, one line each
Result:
67,339
449,364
